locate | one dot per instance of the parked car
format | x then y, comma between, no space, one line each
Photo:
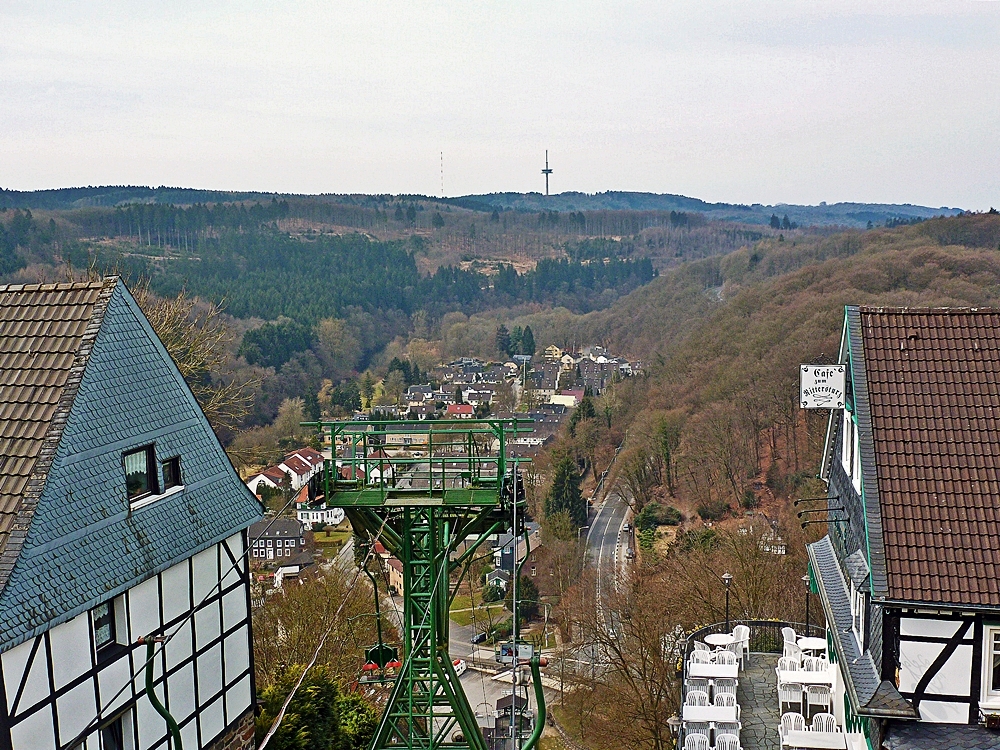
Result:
478,638
627,528
629,554
460,666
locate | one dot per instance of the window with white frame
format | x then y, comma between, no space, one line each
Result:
991,666
858,613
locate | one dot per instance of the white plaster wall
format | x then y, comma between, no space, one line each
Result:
76,708
914,659
237,653
955,675
144,609
234,608
944,713
150,724
207,625
210,672
176,591
238,698
111,679
37,686
71,656
180,690
212,720
14,662
206,572
928,628
179,647
34,733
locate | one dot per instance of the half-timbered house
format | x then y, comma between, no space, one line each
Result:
120,517
909,573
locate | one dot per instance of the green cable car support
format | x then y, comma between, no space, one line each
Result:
432,492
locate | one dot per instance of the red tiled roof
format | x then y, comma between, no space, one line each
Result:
934,394
297,465
459,409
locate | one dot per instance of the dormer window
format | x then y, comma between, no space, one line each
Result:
858,613
140,473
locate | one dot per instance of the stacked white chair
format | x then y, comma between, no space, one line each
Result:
727,742
818,695
696,742
726,685
790,693
824,723
702,657
791,722
788,664
728,727
696,698
698,683
789,635
742,635
697,727
728,700
792,650
725,657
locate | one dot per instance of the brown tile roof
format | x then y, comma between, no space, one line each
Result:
46,334
934,393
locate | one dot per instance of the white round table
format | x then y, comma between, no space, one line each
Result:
720,639
812,644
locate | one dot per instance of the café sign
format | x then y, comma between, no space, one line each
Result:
822,386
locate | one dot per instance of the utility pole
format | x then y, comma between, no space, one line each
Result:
546,172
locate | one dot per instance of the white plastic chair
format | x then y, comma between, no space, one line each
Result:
728,727
742,635
726,657
792,722
702,657
790,693
812,664
792,649
788,664
699,646
728,700
819,696
727,742
697,683
789,635
725,685
823,722
696,727
696,698
696,742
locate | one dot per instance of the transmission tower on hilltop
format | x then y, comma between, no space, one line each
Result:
546,172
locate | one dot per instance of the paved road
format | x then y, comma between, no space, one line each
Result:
607,542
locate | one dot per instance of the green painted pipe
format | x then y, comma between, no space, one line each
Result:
175,731
536,678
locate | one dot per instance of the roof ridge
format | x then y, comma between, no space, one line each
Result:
870,309
18,532
60,286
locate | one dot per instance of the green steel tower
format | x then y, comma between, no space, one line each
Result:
432,492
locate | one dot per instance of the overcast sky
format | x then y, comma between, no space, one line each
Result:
765,101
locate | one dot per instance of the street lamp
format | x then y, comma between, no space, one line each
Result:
727,579
805,580
674,723
580,531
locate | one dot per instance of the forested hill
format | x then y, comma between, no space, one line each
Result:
843,214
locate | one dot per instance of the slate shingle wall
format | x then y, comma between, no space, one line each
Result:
83,544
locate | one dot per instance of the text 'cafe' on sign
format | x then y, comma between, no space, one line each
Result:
822,386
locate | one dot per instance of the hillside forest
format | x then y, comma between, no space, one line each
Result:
303,316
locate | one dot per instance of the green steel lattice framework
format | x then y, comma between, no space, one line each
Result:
460,487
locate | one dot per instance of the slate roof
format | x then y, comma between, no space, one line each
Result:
926,736
933,381
46,335
76,541
870,695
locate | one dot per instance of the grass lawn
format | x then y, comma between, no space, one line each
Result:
463,615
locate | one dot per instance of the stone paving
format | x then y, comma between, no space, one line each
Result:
757,695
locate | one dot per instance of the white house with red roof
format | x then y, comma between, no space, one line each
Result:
459,411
